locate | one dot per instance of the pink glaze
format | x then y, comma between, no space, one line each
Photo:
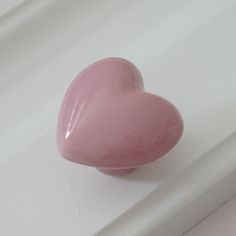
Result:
107,120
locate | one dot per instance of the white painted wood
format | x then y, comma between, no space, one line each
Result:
8,6
186,53
180,203
220,222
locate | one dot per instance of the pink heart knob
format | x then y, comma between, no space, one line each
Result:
107,120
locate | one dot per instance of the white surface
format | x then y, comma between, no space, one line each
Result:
221,222
180,203
7,5
186,53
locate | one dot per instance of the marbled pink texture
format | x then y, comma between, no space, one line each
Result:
108,121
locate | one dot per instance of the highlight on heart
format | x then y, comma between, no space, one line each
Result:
108,121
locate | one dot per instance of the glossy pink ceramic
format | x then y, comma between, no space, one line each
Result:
107,120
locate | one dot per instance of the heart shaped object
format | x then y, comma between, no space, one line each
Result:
107,120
